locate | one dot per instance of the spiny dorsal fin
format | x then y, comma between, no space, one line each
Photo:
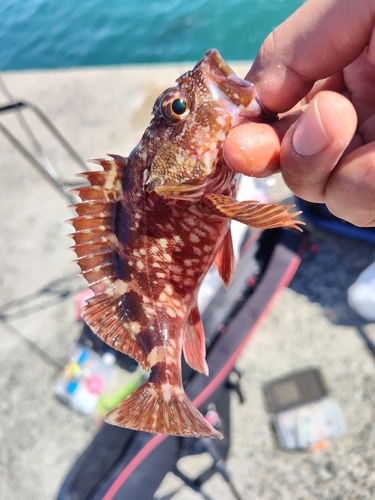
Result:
96,246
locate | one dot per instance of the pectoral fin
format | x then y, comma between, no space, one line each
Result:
194,344
252,213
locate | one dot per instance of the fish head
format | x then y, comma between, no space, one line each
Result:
190,124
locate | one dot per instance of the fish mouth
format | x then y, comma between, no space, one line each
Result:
224,83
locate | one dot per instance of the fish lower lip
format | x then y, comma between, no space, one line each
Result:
219,62
241,92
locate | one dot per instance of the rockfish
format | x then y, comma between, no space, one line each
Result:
150,226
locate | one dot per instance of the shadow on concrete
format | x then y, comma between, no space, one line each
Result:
328,268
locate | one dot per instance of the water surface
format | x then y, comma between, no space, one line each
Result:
68,33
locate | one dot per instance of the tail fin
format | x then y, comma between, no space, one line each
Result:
164,410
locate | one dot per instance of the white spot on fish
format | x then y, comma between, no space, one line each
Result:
140,265
135,327
157,355
190,220
167,390
176,269
194,238
163,242
120,287
221,120
221,136
178,240
171,312
199,232
149,310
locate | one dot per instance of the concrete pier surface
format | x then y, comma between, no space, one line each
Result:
105,110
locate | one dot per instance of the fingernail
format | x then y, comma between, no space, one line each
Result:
310,137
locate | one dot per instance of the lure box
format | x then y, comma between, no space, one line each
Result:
84,379
303,416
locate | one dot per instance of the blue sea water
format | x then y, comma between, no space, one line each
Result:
69,33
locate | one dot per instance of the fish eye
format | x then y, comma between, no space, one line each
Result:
179,106
174,106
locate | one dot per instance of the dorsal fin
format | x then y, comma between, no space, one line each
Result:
95,246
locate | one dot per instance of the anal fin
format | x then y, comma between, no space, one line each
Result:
194,343
148,410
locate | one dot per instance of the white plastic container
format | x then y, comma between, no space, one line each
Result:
361,295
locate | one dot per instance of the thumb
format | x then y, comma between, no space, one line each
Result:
320,39
313,146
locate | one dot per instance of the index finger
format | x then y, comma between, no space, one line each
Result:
320,39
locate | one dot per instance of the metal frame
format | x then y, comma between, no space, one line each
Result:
45,168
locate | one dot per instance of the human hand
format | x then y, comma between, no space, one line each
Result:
317,70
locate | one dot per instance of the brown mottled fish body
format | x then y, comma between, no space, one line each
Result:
148,229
